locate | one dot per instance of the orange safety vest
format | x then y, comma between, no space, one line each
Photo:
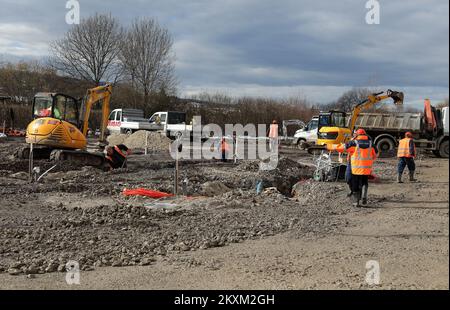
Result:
273,133
362,160
340,148
403,148
224,146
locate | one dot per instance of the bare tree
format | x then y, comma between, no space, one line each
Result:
350,98
443,103
89,50
147,58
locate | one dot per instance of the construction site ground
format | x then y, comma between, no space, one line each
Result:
221,235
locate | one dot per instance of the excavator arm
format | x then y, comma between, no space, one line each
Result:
94,95
371,101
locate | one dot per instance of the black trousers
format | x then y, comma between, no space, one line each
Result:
358,181
406,161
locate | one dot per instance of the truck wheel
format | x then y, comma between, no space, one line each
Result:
129,131
385,145
436,153
443,149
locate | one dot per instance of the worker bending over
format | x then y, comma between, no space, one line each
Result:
406,153
362,155
116,156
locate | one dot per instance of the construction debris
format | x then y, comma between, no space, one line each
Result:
214,188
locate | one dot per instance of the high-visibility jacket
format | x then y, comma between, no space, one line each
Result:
273,132
336,147
224,146
360,152
406,148
362,159
341,148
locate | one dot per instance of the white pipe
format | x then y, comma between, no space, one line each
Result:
51,168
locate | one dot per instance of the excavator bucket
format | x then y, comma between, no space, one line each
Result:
397,96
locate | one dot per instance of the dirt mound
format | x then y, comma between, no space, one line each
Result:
116,139
214,188
155,140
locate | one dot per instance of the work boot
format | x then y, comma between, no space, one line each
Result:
364,195
399,178
411,177
355,199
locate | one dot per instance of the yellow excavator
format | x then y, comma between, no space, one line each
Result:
333,128
59,133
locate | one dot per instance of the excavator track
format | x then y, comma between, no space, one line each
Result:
81,158
316,149
40,152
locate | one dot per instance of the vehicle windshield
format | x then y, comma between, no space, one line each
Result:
324,120
338,120
42,106
313,125
71,111
65,108
335,119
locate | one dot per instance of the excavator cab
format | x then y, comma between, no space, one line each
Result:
58,106
332,127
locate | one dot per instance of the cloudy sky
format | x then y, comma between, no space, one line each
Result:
309,48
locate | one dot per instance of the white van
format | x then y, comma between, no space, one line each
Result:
127,121
170,123
308,134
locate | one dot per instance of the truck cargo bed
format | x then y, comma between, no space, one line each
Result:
390,122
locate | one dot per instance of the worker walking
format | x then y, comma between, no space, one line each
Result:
362,155
273,136
406,154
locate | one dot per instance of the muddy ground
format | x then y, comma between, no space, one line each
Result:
220,234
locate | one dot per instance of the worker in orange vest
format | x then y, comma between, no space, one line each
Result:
406,153
273,136
362,155
224,149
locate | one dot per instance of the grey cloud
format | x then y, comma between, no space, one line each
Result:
275,45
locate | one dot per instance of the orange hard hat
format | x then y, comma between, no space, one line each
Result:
360,131
408,134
